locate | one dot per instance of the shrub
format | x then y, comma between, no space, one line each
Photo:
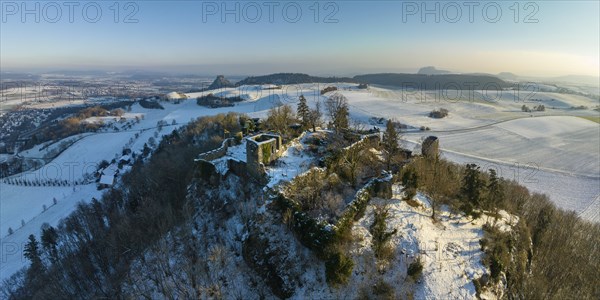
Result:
380,234
498,256
495,268
439,114
415,269
266,152
410,181
383,290
354,211
579,107
328,89
338,268
150,104
213,101
238,138
479,283
312,234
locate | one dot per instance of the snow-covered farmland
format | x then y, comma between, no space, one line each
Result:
24,204
559,150
553,152
22,210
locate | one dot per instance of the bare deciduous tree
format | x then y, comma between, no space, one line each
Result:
280,118
337,109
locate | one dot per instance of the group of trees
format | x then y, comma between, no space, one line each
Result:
467,188
319,193
213,128
355,163
526,108
73,124
439,114
550,252
280,118
328,89
309,118
90,252
98,111
213,101
42,182
479,192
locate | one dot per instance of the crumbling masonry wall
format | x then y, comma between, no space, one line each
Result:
261,150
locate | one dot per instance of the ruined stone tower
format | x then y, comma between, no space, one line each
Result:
430,147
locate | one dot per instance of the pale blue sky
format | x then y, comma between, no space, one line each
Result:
368,37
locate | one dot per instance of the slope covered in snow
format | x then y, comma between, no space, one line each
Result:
554,152
563,149
448,249
24,204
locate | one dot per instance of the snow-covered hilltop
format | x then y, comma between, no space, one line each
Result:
321,222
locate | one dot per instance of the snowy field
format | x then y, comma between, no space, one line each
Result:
555,152
24,204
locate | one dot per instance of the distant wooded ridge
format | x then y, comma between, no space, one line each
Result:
413,81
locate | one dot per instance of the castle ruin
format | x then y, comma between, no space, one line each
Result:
261,150
430,147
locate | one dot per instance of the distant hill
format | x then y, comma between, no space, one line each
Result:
582,79
432,82
566,79
291,78
220,82
5,76
508,76
77,73
432,71
429,82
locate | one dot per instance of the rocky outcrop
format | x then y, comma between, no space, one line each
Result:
220,82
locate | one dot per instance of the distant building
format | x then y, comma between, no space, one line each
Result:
175,96
108,175
125,159
107,180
